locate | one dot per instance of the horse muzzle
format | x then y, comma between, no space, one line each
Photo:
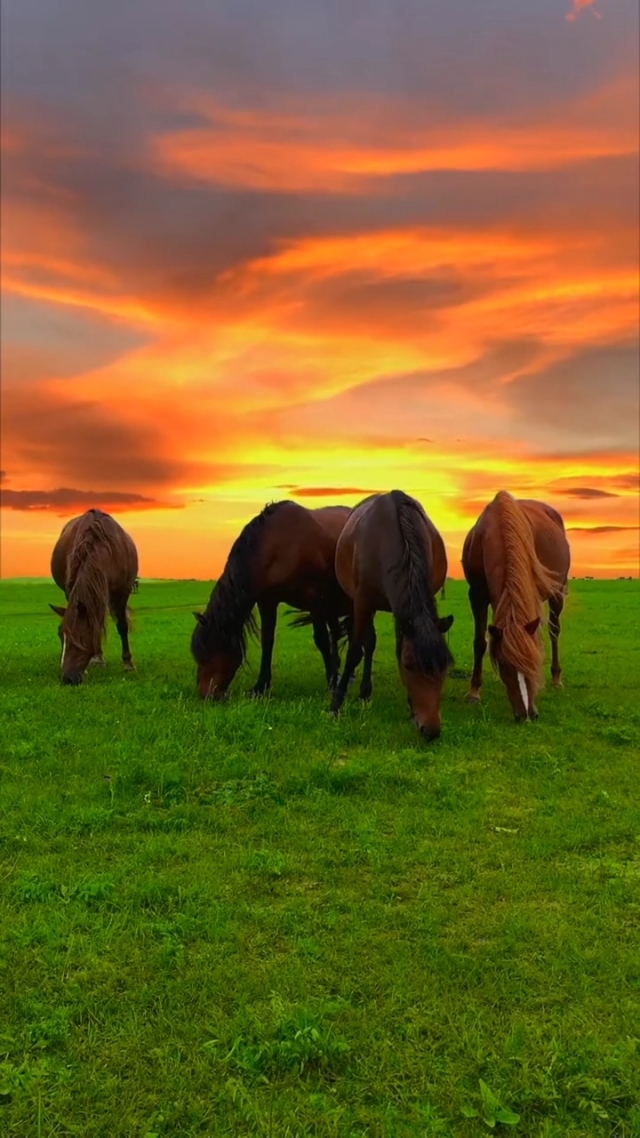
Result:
72,679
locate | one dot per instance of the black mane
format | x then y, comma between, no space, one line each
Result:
229,615
418,616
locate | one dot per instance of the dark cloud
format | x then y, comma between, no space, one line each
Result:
95,60
329,491
591,393
84,443
600,529
41,341
66,501
585,492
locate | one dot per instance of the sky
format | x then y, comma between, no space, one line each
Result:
313,250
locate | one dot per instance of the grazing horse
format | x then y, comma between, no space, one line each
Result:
515,558
95,563
391,558
284,555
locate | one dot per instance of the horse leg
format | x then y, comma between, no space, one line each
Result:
556,605
268,615
362,618
479,601
333,624
369,644
323,642
122,624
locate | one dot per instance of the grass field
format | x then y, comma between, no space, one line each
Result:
253,920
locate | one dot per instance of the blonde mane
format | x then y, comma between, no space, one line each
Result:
527,584
87,583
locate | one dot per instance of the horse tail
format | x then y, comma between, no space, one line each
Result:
527,584
304,619
417,558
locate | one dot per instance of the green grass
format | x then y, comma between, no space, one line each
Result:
253,920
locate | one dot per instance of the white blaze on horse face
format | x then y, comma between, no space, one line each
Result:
64,649
522,684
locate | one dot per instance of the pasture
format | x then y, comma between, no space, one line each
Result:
251,919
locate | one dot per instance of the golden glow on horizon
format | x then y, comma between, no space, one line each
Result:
356,355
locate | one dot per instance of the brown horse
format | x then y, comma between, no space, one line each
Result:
95,563
284,555
391,558
515,558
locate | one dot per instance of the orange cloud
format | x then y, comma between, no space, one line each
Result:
309,345
296,154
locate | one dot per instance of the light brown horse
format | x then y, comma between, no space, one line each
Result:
391,558
515,558
95,563
284,555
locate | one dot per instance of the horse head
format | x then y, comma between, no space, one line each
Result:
423,659
79,639
516,657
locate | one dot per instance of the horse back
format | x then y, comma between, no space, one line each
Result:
119,553
551,544
370,549
482,557
297,550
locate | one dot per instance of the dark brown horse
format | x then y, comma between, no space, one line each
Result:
515,558
95,563
284,555
391,558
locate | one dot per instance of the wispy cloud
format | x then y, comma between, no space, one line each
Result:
579,6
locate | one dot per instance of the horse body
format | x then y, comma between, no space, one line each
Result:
515,558
391,558
95,563
284,555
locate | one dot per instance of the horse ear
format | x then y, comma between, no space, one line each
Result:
533,626
494,632
58,611
444,623
199,617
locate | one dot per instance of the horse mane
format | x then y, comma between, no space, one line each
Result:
418,615
527,584
87,585
229,619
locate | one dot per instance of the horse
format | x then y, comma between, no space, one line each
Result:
515,558
391,558
95,563
283,555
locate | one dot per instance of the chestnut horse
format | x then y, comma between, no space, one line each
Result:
95,563
515,558
391,558
284,555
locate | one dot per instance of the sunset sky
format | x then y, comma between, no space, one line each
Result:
314,248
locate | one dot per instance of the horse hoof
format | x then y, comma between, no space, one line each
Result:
558,683
128,665
473,697
258,693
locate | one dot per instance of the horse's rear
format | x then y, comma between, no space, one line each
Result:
391,558
518,582
95,563
296,561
